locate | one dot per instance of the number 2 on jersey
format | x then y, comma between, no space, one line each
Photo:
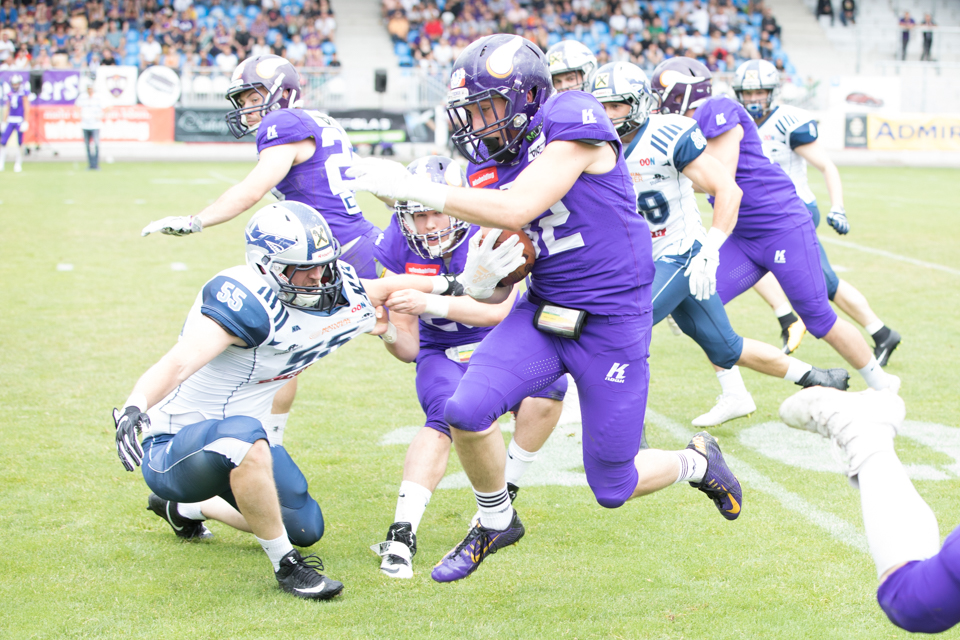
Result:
334,134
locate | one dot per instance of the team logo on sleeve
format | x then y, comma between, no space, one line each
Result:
698,140
588,117
721,119
483,177
272,132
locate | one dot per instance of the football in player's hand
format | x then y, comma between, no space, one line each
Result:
529,256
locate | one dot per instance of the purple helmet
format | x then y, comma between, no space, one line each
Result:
498,66
433,244
681,84
270,76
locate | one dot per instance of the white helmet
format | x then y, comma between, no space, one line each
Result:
292,234
434,244
625,82
757,75
570,55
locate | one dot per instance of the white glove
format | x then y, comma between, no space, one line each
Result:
702,270
486,266
390,179
24,126
174,226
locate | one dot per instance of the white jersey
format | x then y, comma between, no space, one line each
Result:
665,198
785,129
283,341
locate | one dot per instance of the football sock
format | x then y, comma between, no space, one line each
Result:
496,512
787,320
692,466
796,370
190,510
900,526
3,156
731,382
879,334
276,549
411,503
275,423
874,375
518,461
783,310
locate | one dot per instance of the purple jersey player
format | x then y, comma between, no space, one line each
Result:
551,166
302,154
774,231
13,110
440,334
919,580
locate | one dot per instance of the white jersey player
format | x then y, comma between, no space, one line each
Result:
665,157
205,452
790,138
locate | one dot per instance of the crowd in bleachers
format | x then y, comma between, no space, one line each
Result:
721,33
44,34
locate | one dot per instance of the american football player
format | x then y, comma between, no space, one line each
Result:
14,109
551,166
200,409
571,65
665,157
440,334
919,590
790,138
774,231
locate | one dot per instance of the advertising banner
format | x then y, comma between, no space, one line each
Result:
918,133
117,85
864,94
158,87
120,124
204,125
363,126
855,131
60,87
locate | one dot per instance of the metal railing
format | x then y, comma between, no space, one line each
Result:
206,87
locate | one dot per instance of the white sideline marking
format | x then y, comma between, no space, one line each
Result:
178,266
222,178
182,181
839,529
887,254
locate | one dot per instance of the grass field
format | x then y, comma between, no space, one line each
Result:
82,558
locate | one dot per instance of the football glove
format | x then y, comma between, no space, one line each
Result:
837,218
702,270
129,424
390,179
174,226
24,126
486,266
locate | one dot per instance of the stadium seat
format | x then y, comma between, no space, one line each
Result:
402,49
131,60
328,48
252,12
234,10
620,40
553,38
133,36
756,19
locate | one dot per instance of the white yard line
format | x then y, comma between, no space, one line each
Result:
893,256
223,178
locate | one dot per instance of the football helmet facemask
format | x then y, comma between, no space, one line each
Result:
755,75
570,55
625,82
433,244
270,76
287,237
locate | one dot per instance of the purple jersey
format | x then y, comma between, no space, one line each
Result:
593,249
770,202
318,182
393,252
15,99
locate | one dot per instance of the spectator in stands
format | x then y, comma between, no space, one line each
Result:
334,62
261,48
443,53
906,23
227,60
242,37
398,27
848,11
748,49
150,51
765,46
769,23
928,26
8,14
825,8
171,57
7,48
314,57
296,51
108,59
22,59
259,27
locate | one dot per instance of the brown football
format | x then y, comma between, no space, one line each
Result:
529,255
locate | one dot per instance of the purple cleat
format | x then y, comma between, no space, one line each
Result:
718,482
479,543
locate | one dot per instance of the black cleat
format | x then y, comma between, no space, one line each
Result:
512,491
886,347
301,576
817,377
398,551
184,527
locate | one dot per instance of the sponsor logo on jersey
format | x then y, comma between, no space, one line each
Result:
721,119
659,233
536,148
617,373
358,307
295,328
272,132
645,162
780,257
602,81
588,117
637,177
339,324
483,178
657,178
698,140
422,269
285,376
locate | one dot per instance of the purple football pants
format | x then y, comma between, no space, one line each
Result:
794,258
360,255
609,365
924,596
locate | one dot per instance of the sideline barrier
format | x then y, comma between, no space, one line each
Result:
135,123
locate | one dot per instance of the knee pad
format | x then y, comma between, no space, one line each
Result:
240,427
463,415
614,484
305,525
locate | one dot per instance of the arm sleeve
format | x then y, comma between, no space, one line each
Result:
803,134
575,115
689,146
717,116
235,308
282,126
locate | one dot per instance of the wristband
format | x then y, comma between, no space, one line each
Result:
137,400
390,335
438,306
446,285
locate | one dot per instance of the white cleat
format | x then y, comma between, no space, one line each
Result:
729,407
17,168
397,552
859,424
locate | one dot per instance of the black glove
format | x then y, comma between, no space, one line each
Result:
129,425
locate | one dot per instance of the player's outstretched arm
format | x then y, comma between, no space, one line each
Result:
708,173
463,309
273,166
400,333
726,148
816,154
